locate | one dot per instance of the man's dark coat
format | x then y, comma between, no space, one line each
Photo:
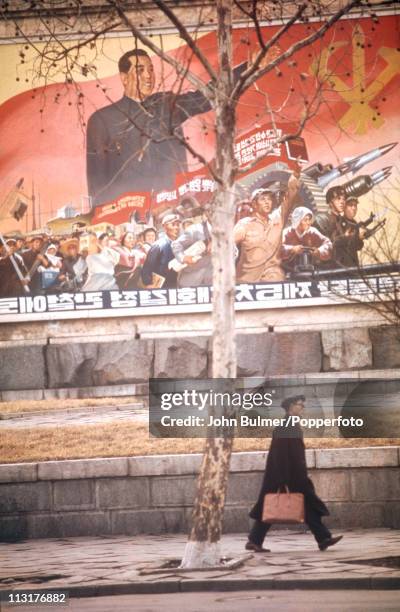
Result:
30,260
346,247
328,224
286,465
10,285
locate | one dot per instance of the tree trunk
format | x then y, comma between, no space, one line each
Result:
202,549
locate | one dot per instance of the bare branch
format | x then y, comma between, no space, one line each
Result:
238,91
84,43
257,26
200,157
246,80
252,15
187,38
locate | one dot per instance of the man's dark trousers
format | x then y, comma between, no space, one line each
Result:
313,520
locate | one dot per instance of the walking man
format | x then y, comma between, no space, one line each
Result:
286,465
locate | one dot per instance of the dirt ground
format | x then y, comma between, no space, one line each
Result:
129,439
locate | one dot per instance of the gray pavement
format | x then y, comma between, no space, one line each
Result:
119,565
95,415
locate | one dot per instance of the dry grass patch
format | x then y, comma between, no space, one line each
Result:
127,440
64,404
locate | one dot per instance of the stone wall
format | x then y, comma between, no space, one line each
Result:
155,494
78,362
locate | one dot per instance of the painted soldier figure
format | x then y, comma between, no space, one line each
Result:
328,223
350,239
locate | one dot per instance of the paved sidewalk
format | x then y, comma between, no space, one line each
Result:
89,415
118,564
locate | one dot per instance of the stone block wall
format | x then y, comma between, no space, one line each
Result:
116,361
140,495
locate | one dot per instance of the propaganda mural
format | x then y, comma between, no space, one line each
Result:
106,190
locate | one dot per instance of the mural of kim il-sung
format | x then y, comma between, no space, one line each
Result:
134,144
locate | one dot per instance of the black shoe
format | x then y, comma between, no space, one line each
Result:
256,548
329,542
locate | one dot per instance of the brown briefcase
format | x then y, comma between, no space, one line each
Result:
283,507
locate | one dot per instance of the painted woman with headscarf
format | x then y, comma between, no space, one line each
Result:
301,236
54,260
50,274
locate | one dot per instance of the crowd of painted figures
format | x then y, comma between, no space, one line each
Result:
272,234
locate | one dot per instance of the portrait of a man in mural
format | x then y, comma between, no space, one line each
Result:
136,144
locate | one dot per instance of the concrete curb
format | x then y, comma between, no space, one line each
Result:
178,585
138,389
10,416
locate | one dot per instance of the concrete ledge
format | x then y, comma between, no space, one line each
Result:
167,465
170,465
375,456
82,468
17,343
19,472
99,338
134,389
248,462
15,396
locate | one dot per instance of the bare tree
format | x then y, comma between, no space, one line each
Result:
93,21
